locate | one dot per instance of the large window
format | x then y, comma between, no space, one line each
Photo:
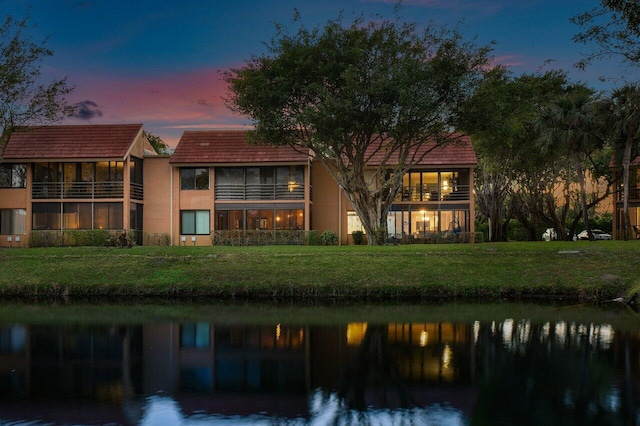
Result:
13,221
194,178
46,216
107,216
77,216
194,222
260,219
13,175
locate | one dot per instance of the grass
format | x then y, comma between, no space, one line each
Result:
570,271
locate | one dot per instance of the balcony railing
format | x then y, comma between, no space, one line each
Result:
67,190
634,194
136,191
433,193
260,192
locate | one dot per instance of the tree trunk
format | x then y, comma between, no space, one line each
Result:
577,164
626,162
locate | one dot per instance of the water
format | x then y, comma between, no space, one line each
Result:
554,366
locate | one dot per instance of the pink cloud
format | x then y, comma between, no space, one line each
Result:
165,104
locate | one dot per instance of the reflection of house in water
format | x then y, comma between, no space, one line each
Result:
107,372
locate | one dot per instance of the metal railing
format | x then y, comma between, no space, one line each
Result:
136,191
260,192
432,193
89,190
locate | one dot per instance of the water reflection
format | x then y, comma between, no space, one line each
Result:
358,373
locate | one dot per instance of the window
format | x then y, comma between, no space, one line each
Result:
77,215
107,216
13,175
194,178
46,215
13,221
353,223
194,222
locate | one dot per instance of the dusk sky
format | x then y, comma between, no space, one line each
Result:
159,62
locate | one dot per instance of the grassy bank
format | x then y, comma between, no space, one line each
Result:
581,271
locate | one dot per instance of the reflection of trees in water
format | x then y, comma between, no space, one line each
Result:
373,378
540,377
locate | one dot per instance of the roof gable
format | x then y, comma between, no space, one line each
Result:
72,142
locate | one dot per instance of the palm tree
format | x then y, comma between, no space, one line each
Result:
566,126
621,123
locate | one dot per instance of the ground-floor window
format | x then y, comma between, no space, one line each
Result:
13,221
353,222
249,219
77,216
417,221
194,222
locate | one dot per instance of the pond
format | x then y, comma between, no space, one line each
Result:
201,364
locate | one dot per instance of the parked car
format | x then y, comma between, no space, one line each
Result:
598,234
549,235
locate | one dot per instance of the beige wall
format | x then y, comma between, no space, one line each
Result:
16,198
157,196
329,208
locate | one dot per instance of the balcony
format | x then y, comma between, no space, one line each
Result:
634,193
432,193
289,191
76,190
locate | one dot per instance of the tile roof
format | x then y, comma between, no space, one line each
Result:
229,146
203,147
72,142
458,152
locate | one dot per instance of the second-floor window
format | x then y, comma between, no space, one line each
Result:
13,175
194,178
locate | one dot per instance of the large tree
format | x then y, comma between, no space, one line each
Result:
500,116
567,126
364,98
612,30
24,98
621,122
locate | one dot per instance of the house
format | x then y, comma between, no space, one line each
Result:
59,178
618,198
214,184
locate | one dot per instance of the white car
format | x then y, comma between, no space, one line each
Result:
598,234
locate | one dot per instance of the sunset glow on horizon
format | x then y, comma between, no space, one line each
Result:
161,63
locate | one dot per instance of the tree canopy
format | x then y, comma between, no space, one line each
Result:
24,99
612,29
349,93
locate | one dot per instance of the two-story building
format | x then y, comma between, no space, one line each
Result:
72,178
92,177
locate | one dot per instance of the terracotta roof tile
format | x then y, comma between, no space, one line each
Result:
229,146
205,147
72,142
458,152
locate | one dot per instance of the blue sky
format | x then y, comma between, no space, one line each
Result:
159,62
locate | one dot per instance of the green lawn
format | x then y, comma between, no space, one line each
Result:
581,271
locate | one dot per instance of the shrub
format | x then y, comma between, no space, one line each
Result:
358,237
328,237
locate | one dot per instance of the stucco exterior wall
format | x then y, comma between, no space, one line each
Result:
330,206
157,196
16,198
